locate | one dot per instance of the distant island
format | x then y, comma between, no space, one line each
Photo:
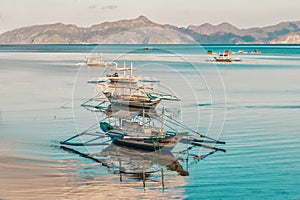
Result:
143,31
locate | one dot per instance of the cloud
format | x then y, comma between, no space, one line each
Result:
92,7
109,7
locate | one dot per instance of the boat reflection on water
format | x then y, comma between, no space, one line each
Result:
139,165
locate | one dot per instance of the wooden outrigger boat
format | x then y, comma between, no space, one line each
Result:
96,61
148,48
131,130
165,143
223,58
255,51
242,52
137,130
133,94
210,52
229,52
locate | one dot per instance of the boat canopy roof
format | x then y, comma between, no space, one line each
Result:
125,69
128,115
124,114
132,87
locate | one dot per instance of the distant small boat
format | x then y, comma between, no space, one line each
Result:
96,61
229,52
211,52
148,48
226,58
223,58
242,52
255,51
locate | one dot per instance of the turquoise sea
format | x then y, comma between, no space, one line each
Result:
253,105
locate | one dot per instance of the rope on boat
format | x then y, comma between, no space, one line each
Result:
208,147
66,142
158,143
197,158
171,128
85,143
104,143
186,127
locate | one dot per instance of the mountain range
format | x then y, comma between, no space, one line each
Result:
141,30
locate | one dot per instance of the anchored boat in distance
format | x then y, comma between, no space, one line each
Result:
94,60
225,57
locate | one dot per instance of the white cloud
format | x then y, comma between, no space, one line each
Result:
109,7
241,13
92,6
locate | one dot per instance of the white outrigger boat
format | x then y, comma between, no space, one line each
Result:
224,57
94,60
128,90
135,130
144,130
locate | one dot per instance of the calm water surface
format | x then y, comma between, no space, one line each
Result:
253,105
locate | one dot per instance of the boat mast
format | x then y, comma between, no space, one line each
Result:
143,118
124,66
124,74
131,68
129,78
162,121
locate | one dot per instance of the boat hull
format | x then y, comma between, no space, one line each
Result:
223,59
96,64
150,144
135,104
133,101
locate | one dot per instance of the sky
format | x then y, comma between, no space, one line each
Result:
241,13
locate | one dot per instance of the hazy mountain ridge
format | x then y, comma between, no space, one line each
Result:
290,38
142,30
255,35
